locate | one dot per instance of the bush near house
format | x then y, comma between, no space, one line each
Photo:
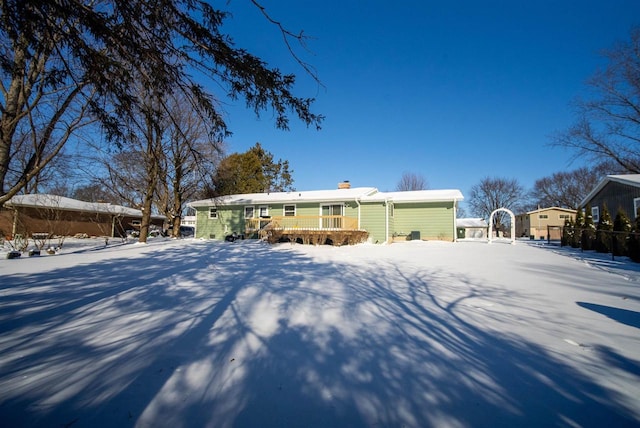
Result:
621,229
603,239
577,231
568,233
634,241
588,231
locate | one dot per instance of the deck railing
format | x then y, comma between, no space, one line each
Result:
322,222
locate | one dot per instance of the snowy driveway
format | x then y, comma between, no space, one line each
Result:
421,334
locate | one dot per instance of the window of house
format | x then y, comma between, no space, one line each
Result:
564,216
543,216
595,214
264,211
248,212
391,210
213,212
289,210
636,207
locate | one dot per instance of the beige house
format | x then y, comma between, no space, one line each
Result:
543,223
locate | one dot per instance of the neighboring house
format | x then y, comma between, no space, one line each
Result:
58,215
423,214
188,220
472,228
616,192
543,223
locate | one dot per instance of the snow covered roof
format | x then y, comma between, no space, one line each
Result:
293,196
336,195
417,196
64,203
471,222
628,179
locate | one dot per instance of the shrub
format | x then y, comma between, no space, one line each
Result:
588,231
633,244
622,227
602,243
577,229
567,233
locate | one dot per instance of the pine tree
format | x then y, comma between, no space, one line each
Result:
568,233
634,241
254,171
588,230
602,242
577,229
621,225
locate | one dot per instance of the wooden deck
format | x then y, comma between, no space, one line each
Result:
316,230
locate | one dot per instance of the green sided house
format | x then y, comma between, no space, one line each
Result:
355,214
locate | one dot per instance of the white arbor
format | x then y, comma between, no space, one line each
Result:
513,225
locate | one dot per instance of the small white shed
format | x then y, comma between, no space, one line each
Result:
471,228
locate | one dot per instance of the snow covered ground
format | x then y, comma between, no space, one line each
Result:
420,334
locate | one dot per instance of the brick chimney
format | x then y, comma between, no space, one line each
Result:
344,185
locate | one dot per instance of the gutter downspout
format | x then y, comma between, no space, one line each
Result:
386,220
358,204
455,216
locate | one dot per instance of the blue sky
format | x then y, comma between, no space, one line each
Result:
451,90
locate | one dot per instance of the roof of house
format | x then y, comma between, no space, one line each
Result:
628,179
540,210
417,196
471,222
44,200
363,194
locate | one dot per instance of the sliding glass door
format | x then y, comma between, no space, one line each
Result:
331,216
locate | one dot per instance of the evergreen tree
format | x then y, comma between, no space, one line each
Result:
577,229
588,230
567,232
621,225
634,241
602,243
254,171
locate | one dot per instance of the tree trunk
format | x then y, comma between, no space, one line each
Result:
146,217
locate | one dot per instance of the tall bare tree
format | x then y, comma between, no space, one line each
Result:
45,98
412,181
187,159
135,172
171,152
608,124
566,189
493,193
64,64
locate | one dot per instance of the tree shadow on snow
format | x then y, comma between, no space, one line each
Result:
623,316
247,335
620,264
